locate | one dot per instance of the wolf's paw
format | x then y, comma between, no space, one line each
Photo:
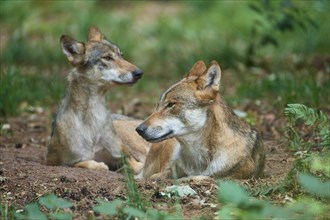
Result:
92,165
194,178
135,165
159,176
100,166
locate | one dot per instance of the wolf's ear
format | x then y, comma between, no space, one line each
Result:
94,34
197,70
72,49
210,79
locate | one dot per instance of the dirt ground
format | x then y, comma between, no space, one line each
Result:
24,177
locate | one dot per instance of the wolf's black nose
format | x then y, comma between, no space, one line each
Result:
141,129
137,73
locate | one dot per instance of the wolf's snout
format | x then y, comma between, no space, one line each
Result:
141,129
137,74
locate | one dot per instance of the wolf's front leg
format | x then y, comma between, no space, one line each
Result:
172,170
105,156
115,150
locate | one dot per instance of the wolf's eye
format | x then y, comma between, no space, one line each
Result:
170,105
107,58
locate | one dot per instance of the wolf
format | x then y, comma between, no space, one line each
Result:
195,133
84,132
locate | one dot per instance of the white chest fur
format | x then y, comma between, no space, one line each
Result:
193,157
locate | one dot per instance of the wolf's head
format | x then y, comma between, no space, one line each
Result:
99,60
182,109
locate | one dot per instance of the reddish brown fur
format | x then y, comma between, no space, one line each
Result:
222,146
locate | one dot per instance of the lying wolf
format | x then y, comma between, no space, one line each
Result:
198,133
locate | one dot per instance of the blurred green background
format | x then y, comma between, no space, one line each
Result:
271,52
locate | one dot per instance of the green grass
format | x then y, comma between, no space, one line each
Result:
278,89
133,197
222,31
32,89
164,45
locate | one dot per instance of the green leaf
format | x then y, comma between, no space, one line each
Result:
32,212
309,208
226,213
134,212
231,192
308,115
325,136
108,208
295,142
311,118
155,214
321,164
61,216
20,216
275,211
52,202
314,186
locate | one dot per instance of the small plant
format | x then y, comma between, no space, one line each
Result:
118,208
239,205
312,155
7,212
311,192
52,203
133,207
123,210
312,185
132,192
311,118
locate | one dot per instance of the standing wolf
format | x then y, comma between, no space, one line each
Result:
84,133
198,133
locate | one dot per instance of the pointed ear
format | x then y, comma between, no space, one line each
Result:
210,79
198,68
72,49
94,34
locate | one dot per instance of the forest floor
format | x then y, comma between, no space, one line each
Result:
24,177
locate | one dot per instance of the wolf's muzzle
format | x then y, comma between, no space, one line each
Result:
137,74
141,129
153,134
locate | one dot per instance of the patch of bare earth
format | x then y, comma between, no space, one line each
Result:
24,177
